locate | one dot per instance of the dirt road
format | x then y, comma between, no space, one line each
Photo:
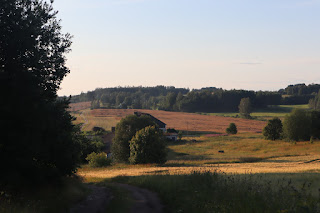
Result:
145,201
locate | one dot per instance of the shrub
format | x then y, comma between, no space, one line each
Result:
273,130
147,146
180,135
232,129
98,160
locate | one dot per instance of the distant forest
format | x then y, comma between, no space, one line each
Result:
210,99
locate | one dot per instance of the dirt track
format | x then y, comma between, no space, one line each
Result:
145,201
96,201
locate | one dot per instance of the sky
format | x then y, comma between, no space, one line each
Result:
229,44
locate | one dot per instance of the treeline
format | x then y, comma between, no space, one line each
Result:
210,99
300,89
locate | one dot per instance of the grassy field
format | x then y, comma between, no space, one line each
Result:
243,153
268,113
47,199
218,192
250,175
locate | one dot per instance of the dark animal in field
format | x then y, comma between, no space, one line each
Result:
221,151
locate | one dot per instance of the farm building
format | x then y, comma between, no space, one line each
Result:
161,125
171,134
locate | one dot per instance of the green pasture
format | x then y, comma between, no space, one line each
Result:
237,148
270,112
218,192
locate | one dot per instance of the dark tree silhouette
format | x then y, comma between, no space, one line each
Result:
273,130
39,142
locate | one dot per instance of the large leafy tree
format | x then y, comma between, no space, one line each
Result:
273,130
39,142
245,107
125,130
148,146
297,125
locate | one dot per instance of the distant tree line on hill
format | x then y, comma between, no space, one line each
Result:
210,99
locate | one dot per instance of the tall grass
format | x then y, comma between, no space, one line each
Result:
47,199
215,192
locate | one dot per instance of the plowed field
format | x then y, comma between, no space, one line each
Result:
180,120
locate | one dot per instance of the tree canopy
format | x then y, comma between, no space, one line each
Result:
40,143
273,130
125,130
147,146
245,107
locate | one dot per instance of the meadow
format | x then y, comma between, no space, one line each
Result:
209,173
252,175
264,114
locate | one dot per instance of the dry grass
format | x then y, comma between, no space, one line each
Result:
79,106
243,153
106,118
276,165
236,148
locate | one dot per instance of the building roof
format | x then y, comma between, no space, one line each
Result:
157,121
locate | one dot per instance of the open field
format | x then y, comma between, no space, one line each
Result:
106,118
243,153
79,106
272,111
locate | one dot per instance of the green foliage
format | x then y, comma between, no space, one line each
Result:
315,102
148,146
87,145
245,107
180,135
125,130
232,129
98,159
215,192
297,125
315,123
273,130
39,137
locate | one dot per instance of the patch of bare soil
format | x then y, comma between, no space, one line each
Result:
145,201
96,201
186,121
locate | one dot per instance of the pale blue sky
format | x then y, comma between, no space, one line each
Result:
242,44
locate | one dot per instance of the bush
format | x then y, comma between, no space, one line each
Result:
98,160
273,130
232,129
147,146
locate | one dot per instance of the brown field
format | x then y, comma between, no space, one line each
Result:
79,106
107,118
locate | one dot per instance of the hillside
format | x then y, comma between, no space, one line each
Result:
192,122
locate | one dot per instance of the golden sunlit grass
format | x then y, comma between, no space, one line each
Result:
236,148
243,153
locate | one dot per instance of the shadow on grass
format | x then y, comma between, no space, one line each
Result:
219,192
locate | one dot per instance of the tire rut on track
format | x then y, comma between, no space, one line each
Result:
145,201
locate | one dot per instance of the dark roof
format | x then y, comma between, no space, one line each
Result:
157,121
